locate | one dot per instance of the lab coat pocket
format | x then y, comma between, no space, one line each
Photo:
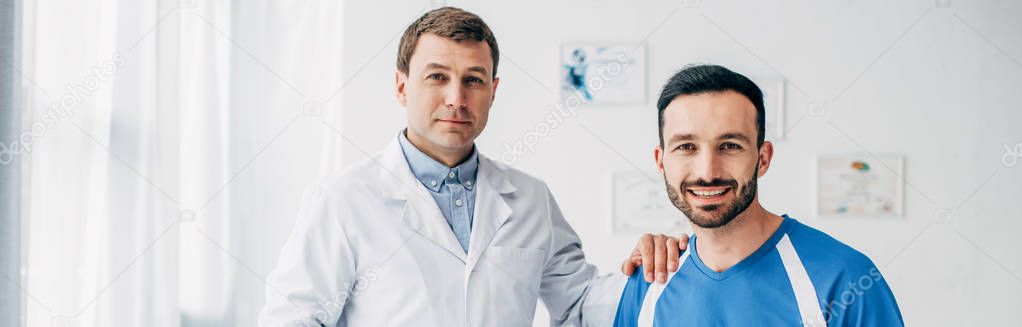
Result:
522,265
512,278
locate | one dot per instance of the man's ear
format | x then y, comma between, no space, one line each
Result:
766,154
658,156
400,80
496,81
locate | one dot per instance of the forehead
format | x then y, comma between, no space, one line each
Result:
431,48
710,114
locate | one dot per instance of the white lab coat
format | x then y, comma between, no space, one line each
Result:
370,247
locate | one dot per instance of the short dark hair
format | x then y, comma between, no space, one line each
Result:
699,79
449,23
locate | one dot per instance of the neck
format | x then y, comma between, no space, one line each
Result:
450,157
723,247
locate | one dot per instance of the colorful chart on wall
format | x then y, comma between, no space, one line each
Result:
603,73
859,185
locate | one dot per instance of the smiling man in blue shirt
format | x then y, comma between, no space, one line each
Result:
745,266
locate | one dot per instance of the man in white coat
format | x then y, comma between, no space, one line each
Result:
432,233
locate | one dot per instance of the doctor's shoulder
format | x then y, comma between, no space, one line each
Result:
355,183
357,175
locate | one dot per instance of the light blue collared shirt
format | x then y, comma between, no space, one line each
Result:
453,189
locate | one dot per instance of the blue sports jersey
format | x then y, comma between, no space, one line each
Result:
799,277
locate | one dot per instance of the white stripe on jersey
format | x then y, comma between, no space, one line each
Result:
648,307
805,292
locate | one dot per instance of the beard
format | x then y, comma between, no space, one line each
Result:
707,216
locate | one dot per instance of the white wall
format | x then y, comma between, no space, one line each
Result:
938,85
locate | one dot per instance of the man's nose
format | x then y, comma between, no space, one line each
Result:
455,97
707,166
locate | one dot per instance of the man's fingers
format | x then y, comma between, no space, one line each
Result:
683,242
646,251
672,254
628,267
661,258
635,260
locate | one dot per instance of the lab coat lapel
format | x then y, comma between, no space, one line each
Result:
420,211
491,210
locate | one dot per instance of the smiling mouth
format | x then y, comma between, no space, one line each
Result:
708,193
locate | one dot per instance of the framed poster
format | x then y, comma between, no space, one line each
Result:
859,185
640,204
603,73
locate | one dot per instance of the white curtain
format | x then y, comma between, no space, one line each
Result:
103,201
175,140
255,137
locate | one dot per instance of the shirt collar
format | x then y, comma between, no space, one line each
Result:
434,174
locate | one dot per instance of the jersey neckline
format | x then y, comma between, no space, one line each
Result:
763,249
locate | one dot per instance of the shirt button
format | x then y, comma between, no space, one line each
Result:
458,202
432,183
469,183
450,174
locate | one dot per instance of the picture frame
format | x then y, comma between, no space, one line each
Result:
861,185
603,73
639,204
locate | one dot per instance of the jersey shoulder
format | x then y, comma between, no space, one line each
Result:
820,250
630,305
849,286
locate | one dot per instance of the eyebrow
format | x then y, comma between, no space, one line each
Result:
725,136
733,136
434,65
478,69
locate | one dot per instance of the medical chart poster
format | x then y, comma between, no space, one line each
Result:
603,73
640,204
859,185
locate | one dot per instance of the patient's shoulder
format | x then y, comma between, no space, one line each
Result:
632,296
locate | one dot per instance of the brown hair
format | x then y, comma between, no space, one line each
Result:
450,23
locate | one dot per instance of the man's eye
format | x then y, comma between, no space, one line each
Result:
687,147
436,77
730,146
474,80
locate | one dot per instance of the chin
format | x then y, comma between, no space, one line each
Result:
709,222
453,140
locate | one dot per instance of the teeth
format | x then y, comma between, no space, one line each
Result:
708,193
